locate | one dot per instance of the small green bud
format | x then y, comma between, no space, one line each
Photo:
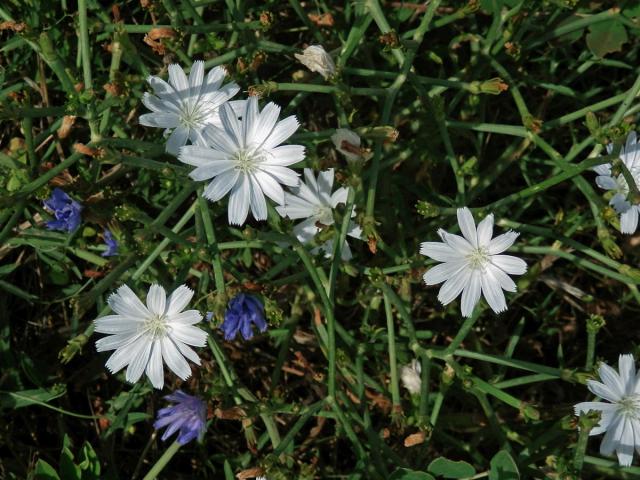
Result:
273,312
595,323
73,347
494,86
426,209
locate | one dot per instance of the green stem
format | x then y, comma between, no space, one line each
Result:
162,461
393,366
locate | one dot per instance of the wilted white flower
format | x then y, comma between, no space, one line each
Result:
410,376
472,265
142,336
347,143
316,59
245,157
313,201
183,107
630,156
620,418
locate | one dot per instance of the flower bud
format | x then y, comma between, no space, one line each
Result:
347,143
316,59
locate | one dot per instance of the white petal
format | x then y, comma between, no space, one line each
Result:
174,360
606,182
603,391
611,379
485,231
196,76
258,202
492,291
200,156
270,187
178,300
443,272
627,369
113,342
585,407
177,139
126,303
215,77
355,230
156,299
282,130
231,125
467,226
439,251
604,169
163,90
249,118
155,370
510,264
221,185
452,287
503,279
338,197
502,242
187,351
178,81
189,334
159,120
139,362
325,184
306,230
239,201
471,294
213,169
125,355
220,140
459,244
264,125
629,221
189,317
286,155
627,445
158,105
620,203
282,175
612,438
117,324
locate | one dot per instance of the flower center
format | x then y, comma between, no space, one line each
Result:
156,326
324,215
478,258
246,160
630,405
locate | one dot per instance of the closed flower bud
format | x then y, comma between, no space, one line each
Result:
347,143
410,376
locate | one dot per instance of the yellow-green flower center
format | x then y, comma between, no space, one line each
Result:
478,258
156,326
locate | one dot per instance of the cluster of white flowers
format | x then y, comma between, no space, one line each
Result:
237,148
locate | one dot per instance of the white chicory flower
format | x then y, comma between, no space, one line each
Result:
347,143
630,156
245,157
316,59
184,106
410,376
620,414
143,336
313,201
472,264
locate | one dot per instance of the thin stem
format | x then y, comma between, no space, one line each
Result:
162,461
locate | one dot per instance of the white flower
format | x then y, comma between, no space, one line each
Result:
410,376
313,201
630,156
316,59
142,336
246,158
472,265
620,419
348,144
186,105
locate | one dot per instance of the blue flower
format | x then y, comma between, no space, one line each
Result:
65,210
188,415
244,310
111,243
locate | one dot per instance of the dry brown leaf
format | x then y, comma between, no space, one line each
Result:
414,439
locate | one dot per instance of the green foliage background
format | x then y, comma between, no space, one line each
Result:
500,105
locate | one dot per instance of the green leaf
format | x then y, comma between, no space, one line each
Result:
503,467
606,37
406,474
44,471
89,462
25,398
449,469
68,469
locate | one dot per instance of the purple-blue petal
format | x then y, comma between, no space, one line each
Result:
243,312
188,416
